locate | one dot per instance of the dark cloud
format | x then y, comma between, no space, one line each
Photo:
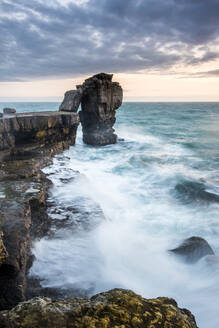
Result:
211,73
60,38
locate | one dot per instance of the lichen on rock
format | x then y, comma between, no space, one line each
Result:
3,252
113,309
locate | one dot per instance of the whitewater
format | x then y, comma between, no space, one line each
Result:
118,209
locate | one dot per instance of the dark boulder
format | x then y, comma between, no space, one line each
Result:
8,110
193,249
100,99
192,191
71,101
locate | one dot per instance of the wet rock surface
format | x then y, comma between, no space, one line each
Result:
116,308
195,192
100,99
193,249
23,195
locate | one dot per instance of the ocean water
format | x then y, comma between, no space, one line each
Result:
30,106
118,209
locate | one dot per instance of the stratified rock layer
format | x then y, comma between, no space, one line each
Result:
100,99
114,309
27,144
31,128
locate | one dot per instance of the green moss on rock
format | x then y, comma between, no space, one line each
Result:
114,309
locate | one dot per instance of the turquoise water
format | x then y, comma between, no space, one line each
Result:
30,106
135,200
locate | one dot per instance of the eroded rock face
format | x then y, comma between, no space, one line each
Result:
193,249
71,102
116,308
100,99
34,128
27,143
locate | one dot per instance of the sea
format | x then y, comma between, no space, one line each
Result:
118,209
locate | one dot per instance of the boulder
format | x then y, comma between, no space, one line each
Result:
193,249
192,191
100,99
71,102
115,308
8,110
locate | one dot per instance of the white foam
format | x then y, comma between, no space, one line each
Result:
129,249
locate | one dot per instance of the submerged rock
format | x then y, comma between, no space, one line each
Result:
193,249
191,191
71,102
115,308
8,110
100,99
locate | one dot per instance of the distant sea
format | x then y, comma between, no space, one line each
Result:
155,188
30,106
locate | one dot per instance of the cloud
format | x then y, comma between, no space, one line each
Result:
66,38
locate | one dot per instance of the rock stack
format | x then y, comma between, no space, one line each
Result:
99,98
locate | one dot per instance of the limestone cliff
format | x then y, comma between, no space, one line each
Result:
27,144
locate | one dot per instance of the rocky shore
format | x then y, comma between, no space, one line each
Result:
28,141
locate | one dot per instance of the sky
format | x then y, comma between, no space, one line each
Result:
159,50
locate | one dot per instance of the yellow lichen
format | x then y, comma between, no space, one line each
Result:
65,130
41,134
113,309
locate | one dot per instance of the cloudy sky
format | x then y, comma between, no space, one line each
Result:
158,49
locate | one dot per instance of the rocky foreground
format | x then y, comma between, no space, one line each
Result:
114,309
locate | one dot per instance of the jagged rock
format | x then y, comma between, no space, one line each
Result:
27,144
71,101
116,308
100,99
193,249
8,110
